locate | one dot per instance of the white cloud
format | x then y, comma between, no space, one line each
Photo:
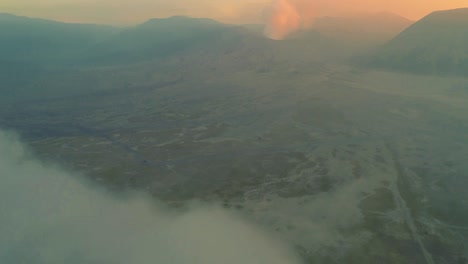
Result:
48,215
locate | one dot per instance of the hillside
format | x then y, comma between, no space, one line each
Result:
162,38
30,46
437,44
40,41
59,59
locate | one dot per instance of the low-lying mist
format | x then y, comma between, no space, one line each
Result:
48,215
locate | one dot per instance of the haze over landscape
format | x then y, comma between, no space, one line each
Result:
230,11
284,131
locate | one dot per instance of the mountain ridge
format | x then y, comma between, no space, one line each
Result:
436,44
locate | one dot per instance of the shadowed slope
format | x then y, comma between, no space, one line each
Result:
437,44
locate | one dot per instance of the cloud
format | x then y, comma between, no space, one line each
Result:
47,215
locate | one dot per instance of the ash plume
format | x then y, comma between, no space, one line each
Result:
283,17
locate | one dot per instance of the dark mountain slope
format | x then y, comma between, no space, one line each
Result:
437,44
39,41
30,47
162,38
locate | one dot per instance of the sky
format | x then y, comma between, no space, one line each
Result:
229,11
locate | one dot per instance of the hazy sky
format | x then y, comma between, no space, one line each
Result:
233,11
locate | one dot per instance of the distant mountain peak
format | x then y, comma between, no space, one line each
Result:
182,19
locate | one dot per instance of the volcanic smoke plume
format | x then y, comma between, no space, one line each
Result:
284,17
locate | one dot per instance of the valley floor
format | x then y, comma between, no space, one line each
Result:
348,165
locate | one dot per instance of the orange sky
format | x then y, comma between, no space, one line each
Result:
232,11
412,9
